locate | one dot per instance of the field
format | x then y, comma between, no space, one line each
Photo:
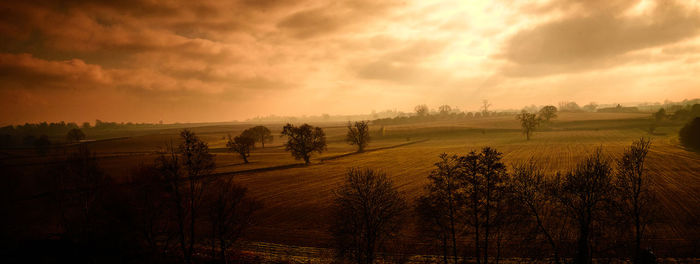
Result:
296,198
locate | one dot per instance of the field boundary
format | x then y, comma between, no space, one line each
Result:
374,149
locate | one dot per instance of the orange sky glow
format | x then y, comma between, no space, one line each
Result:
202,61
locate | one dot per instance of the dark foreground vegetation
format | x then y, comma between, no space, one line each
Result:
475,207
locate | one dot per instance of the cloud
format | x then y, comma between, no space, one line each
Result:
30,72
598,39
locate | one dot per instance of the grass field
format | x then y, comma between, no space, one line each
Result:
296,198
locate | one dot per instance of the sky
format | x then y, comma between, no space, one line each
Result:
215,60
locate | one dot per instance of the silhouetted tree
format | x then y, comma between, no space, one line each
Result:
259,134
421,110
368,210
230,214
75,135
241,144
548,113
442,206
531,190
494,191
528,122
585,194
688,135
358,134
445,109
485,108
304,140
151,208
633,185
79,193
185,170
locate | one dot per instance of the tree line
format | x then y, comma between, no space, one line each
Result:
474,204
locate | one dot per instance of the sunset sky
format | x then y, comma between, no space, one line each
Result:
200,61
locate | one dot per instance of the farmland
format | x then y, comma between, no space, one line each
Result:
296,198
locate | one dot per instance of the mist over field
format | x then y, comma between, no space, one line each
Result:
555,131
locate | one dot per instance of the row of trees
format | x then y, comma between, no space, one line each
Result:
302,141
474,198
170,209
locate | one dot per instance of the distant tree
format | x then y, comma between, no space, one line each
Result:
548,113
485,108
75,135
567,106
531,190
660,115
445,109
469,115
688,135
302,141
42,144
441,210
528,122
259,134
367,211
421,110
242,145
358,134
230,214
590,107
585,194
86,125
633,185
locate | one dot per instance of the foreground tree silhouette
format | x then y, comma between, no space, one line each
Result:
585,194
440,211
368,210
259,134
302,141
185,170
633,185
75,135
548,113
242,145
528,122
531,190
230,214
358,134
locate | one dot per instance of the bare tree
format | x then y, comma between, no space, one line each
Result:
79,193
151,208
528,122
230,214
585,193
485,108
358,134
421,110
634,185
241,144
185,170
445,109
304,140
368,210
531,190
442,206
259,134
75,135
494,191
548,113
472,183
